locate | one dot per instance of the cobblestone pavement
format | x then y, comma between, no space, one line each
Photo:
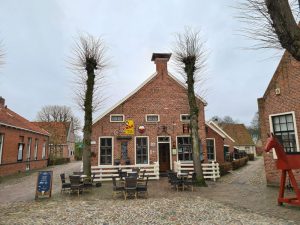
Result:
238,198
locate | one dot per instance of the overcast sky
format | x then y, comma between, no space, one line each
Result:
38,37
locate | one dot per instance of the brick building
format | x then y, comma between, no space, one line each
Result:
23,145
279,112
149,125
62,139
219,143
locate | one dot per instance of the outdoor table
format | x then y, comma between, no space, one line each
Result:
132,174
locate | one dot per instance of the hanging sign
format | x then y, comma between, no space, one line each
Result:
44,184
129,127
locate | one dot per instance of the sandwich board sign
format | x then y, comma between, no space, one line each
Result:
44,184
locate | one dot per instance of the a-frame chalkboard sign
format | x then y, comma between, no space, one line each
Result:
44,184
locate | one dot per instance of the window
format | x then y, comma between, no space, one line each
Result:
141,150
1,146
29,148
44,150
117,118
152,118
20,151
36,148
210,144
106,151
184,148
284,130
185,117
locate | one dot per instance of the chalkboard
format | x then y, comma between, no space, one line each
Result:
44,184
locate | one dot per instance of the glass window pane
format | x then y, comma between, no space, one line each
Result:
289,118
277,127
276,119
283,127
282,119
290,126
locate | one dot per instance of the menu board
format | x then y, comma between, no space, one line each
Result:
44,184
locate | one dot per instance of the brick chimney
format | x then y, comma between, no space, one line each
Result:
161,61
2,101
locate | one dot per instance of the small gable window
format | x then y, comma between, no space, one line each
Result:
152,118
117,118
185,117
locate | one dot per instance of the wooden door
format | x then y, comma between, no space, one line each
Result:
164,156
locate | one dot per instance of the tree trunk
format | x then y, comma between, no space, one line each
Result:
88,119
285,26
194,112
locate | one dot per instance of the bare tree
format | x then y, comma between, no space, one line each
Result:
272,24
57,113
190,60
89,62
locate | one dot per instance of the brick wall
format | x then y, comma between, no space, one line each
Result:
162,95
9,164
287,79
219,144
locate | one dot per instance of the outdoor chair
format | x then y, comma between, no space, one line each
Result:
170,174
142,176
88,182
130,187
117,188
76,185
122,174
190,181
175,181
64,186
142,187
137,170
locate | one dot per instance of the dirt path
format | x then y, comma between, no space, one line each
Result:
23,189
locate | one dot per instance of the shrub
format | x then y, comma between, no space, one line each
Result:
224,168
239,163
58,161
251,157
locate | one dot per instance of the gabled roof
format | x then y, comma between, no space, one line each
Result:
14,120
239,132
219,130
58,130
140,87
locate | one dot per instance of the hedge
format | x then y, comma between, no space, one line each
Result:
225,167
251,157
239,162
58,161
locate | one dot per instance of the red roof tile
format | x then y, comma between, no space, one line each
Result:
239,133
58,131
10,118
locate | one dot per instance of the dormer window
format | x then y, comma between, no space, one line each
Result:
185,117
152,118
117,118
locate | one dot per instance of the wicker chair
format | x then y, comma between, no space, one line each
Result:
64,186
190,181
130,187
76,184
117,188
142,187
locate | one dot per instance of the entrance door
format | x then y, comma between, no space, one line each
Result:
164,156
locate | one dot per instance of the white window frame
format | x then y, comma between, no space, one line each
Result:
184,121
295,127
20,150
186,161
1,146
158,118
215,152
147,149
112,149
28,155
44,150
36,144
117,115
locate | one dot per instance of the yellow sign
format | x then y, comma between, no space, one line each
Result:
129,127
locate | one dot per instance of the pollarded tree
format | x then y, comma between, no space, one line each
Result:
89,62
190,60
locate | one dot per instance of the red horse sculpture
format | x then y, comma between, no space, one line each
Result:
285,162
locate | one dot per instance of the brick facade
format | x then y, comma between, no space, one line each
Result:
11,139
161,94
218,144
282,96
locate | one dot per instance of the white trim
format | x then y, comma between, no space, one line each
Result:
158,118
295,128
20,128
177,146
1,146
221,130
44,150
36,146
184,121
137,89
170,149
215,151
28,152
215,129
112,149
118,121
147,147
